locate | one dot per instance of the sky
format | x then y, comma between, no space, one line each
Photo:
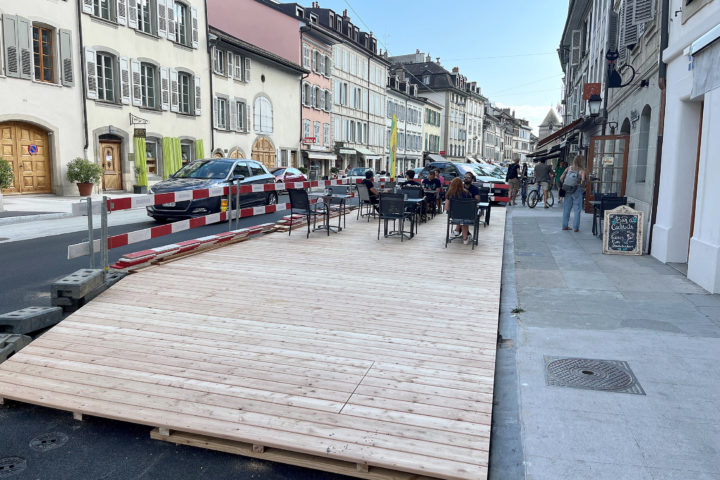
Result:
509,47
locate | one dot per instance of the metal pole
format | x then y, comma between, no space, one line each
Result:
91,233
104,235
237,206
228,211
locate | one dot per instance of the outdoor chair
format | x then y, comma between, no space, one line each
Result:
484,212
607,202
300,204
365,206
392,207
339,205
463,211
414,192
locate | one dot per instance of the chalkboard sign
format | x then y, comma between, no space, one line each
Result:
623,231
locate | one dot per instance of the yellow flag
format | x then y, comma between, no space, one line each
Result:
393,147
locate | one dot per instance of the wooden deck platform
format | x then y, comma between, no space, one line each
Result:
380,354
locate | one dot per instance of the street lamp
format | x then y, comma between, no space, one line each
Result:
594,102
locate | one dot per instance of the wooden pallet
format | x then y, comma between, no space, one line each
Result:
341,348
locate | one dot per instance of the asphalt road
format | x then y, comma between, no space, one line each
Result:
97,448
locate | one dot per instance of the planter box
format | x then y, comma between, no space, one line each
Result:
139,189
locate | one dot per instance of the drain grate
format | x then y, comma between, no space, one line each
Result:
604,375
48,441
10,466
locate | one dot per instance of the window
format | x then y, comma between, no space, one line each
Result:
219,61
186,152
306,56
306,128
241,116
328,101
263,115
316,132
101,8
182,24
185,92
326,134
151,151
105,77
147,85
43,54
146,16
221,113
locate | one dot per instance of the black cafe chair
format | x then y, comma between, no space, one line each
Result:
365,205
300,204
463,211
607,202
392,207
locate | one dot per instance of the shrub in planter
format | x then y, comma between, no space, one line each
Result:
6,178
85,173
139,188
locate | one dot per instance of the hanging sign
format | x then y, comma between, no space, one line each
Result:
623,231
140,133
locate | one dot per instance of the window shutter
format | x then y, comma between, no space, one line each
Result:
170,19
68,75
198,95
248,117
125,80
162,19
322,65
328,101
314,60
132,14
304,100
91,73
328,66
229,69
612,31
174,91
136,83
306,56
312,96
24,43
238,67
195,34
165,88
630,30
233,115
575,47
217,113
12,63
321,93
87,6
247,70
643,11
121,12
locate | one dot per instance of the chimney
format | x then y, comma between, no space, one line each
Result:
345,15
417,50
437,60
428,59
455,70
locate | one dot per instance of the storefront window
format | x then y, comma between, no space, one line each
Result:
151,150
186,152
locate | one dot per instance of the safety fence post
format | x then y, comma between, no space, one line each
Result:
104,235
237,205
91,232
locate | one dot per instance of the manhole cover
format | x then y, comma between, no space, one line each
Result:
589,374
48,441
10,466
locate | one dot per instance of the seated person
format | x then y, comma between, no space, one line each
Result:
368,182
457,190
410,179
432,183
474,191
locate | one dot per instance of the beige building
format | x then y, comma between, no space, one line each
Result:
431,128
147,86
41,114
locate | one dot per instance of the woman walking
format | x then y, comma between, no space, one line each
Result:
573,182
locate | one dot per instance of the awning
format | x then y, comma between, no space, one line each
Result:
320,155
433,157
368,154
544,152
347,151
559,133
706,70
471,160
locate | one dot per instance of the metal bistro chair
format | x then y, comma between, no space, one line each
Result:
417,193
364,203
607,202
484,211
392,207
463,211
300,204
339,205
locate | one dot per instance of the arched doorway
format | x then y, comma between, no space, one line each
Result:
236,153
111,161
27,148
218,153
263,151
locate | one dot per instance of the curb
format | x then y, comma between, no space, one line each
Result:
33,218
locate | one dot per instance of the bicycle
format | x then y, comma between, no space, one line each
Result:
536,195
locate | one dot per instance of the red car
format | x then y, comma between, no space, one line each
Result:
288,174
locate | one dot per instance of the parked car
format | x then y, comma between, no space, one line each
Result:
357,173
450,170
288,174
208,173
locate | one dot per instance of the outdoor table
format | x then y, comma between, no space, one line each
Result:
414,204
330,199
435,196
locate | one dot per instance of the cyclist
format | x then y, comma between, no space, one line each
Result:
542,175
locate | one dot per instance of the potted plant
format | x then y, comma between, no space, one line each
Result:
6,178
139,188
85,173
303,170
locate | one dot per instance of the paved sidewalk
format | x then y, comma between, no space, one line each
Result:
580,303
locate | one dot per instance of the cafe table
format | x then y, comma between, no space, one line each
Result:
332,199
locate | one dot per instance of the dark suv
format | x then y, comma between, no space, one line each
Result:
208,173
449,170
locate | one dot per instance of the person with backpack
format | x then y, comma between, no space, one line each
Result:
573,182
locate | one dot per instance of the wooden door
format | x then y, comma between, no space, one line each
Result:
264,152
111,161
26,147
607,167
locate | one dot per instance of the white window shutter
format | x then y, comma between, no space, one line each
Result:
328,66
12,59
313,89
328,101
136,82
162,19
321,92
238,67
170,19
248,117
629,30
195,26
121,12
229,69
217,113
132,14
91,73
246,77
174,91
87,6
322,65
198,95
575,47
612,31
165,88
125,80
233,115
66,63
24,43
643,11
314,60
304,99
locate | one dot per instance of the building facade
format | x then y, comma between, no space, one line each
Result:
404,104
475,112
146,85
41,110
493,135
431,129
687,229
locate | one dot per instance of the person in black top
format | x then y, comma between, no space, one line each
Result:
432,183
468,180
368,182
410,179
513,180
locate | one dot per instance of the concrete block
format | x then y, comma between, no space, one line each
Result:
30,319
78,284
11,344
